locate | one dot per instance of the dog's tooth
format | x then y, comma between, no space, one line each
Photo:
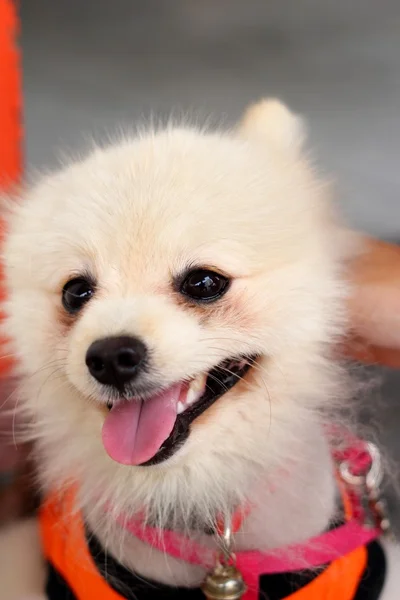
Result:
196,388
199,382
180,407
192,396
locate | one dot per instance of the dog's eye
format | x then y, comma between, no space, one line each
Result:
204,286
76,293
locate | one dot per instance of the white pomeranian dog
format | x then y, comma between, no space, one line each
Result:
174,304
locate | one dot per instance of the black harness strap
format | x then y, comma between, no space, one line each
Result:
274,587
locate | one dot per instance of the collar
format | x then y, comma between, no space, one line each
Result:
359,474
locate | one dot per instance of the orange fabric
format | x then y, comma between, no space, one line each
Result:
65,546
10,99
10,124
339,581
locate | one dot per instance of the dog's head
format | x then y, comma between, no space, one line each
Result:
171,302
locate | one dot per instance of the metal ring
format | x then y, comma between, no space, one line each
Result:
227,537
226,543
372,478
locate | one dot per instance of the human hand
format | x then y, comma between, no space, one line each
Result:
375,305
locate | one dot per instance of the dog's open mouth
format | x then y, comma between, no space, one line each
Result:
146,432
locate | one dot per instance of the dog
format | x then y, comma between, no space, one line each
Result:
175,302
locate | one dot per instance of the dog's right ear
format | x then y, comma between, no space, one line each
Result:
272,121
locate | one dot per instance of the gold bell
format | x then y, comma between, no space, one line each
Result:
224,583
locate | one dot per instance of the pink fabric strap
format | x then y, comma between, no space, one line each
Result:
315,552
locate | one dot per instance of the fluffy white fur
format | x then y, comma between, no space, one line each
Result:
135,214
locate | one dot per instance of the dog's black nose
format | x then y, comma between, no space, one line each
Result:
116,360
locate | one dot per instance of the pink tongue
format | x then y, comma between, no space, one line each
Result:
134,431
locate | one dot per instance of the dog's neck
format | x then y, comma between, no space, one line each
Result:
290,506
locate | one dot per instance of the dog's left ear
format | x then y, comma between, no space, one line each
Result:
272,121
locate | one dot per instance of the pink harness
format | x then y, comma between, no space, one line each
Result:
359,475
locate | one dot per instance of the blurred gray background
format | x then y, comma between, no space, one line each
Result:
92,66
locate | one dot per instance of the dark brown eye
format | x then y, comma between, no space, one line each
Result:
76,293
204,286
